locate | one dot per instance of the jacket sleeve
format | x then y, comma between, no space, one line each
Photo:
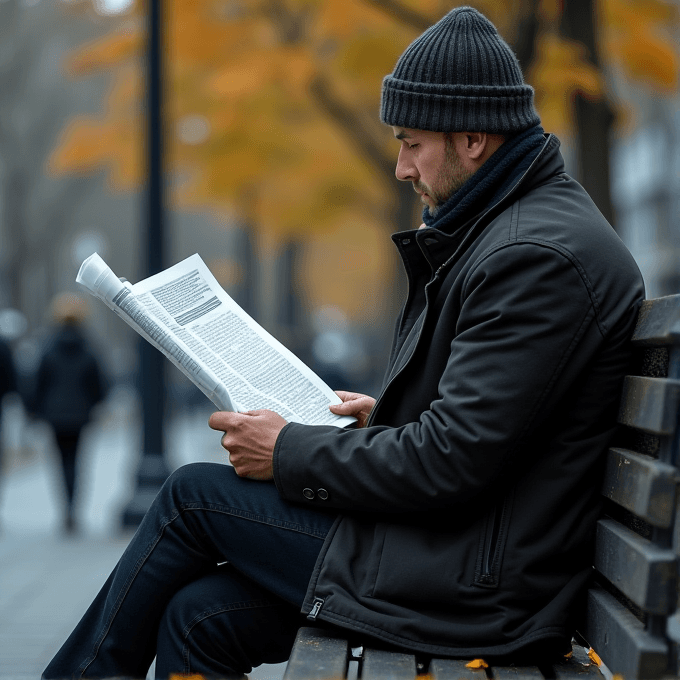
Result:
525,310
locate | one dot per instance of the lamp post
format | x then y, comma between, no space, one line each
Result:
153,469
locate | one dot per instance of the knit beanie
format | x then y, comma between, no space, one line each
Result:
459,76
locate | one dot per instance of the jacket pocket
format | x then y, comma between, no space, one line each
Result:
423,566
492,540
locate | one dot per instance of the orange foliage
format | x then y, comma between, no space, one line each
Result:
241,73
638,36
594,657
559,72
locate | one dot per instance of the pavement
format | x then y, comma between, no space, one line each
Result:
48,578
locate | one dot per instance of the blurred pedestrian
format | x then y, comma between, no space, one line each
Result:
8,374
69,384
8,382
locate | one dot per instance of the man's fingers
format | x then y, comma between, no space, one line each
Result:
220,420
346,396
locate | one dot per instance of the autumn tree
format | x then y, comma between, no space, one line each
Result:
275,102
33,108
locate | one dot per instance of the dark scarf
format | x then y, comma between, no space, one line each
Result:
490,182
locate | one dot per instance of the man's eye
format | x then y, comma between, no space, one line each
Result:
413,146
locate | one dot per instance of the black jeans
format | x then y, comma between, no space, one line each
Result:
172,596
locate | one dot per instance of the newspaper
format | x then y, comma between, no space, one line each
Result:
235,362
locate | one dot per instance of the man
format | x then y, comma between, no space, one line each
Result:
457,519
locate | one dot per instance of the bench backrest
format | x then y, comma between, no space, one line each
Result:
633,620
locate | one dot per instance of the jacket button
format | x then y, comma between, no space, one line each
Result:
406,241
322,494
308,494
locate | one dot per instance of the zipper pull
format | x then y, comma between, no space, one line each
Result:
316,608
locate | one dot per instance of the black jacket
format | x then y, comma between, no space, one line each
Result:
468,503
69,382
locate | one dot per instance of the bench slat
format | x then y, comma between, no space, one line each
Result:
381,665
658,322
578,667
643,572
620,639
642,485
650,404
317,655
446,669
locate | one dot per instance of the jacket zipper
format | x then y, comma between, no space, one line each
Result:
487,576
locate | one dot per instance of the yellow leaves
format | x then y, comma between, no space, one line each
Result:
561,71
340,21
352,250
111,50
477,663
369,57
82,148
291,67
639,38
246,76
196,34
113,141
296,68
593,656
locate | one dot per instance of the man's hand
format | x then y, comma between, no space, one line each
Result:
354,404
249,438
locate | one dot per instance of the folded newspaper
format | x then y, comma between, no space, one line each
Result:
235,362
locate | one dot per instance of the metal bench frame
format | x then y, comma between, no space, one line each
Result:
633,618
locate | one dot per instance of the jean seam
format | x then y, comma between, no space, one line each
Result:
253,517
199,618
124,591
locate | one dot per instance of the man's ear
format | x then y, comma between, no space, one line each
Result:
475,145
478,147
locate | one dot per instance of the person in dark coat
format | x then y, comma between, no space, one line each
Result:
458,518
69,383
8,381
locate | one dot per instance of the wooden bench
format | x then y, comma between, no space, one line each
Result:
633,620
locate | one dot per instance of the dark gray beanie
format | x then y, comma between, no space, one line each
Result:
459,76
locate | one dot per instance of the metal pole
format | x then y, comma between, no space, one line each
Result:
153,469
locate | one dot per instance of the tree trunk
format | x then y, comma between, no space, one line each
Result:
594,119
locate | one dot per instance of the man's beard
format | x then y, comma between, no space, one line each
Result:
450,177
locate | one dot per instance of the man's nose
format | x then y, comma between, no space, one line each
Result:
405,170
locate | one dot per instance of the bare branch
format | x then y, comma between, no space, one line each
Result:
406,15
351,123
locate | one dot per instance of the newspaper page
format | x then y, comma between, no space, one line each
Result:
237,364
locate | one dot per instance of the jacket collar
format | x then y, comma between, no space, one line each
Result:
438,246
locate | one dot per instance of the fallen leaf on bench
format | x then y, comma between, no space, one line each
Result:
477,663
592,655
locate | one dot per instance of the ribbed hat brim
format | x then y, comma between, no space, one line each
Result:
456,108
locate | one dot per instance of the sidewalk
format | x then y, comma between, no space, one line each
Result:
47,580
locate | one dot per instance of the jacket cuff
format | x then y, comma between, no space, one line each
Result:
276,460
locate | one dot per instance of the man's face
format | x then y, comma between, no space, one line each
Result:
429,161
